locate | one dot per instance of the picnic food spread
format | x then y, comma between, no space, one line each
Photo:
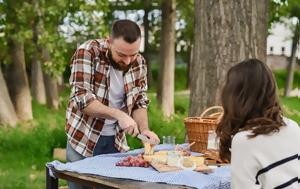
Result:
172,160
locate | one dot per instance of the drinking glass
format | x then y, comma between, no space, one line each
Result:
169,140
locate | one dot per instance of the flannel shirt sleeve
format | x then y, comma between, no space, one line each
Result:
81,79
142,100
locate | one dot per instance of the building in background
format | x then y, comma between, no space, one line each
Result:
279,47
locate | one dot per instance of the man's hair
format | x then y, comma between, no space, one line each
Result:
126,29
250,102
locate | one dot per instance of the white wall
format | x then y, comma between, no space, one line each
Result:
281,36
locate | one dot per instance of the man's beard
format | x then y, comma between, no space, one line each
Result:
118,65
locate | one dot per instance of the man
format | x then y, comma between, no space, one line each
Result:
108,99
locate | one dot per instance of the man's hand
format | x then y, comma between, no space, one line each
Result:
151,135
128,124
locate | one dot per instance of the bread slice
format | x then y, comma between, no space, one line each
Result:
149,149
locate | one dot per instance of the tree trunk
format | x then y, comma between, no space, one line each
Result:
18,82
292,61
189,67
167,63
61,86
226,32
146,38
50,84
37,79
7,112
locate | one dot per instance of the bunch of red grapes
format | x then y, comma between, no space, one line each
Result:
133,161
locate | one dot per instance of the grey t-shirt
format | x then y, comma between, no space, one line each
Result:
116,99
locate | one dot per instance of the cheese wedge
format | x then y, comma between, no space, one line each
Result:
156,158
197,159
162,152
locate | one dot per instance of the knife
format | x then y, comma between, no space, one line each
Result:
139,136
145,139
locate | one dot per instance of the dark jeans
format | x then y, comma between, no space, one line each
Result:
105,145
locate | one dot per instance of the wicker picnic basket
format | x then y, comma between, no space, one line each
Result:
197,127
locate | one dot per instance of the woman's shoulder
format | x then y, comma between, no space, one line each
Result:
241,138
291,129
290,122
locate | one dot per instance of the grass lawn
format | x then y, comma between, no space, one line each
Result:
291,108
25,149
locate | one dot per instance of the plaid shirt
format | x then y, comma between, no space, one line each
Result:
90,68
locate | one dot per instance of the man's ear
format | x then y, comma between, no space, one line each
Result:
109,40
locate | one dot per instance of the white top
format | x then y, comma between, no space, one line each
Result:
267,161
116,98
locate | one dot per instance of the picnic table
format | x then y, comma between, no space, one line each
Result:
101,171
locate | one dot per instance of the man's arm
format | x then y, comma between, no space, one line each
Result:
141,117
139,110
97,109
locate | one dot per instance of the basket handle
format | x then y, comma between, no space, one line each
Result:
211,108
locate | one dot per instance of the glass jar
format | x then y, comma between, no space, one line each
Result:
211,140
173,157
169,140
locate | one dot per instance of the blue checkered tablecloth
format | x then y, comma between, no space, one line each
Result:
104,165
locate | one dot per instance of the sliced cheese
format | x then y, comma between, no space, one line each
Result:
165,152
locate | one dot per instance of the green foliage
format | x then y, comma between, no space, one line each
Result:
84,18
37,136
185,31
275,11
55,20
15,18
25,149
281,78
291,108
184,19
283,11
181,77
87,20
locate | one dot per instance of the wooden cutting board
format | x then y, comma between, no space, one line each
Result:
163,168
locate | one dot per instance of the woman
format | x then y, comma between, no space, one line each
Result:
262,145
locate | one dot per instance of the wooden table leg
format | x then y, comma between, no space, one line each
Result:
51,183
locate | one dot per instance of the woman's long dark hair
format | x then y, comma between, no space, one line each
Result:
250,102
